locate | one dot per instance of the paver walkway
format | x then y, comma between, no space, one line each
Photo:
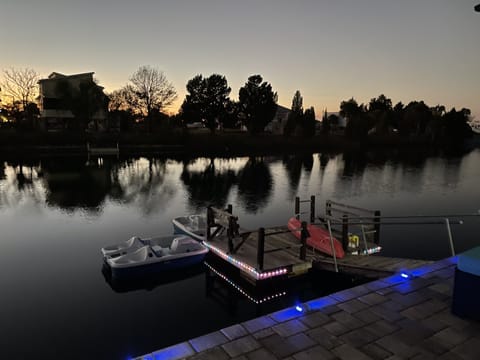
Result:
391,318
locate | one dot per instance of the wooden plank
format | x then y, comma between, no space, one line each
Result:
377,265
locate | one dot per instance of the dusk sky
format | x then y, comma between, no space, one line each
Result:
330,50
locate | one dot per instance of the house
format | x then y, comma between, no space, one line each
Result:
279,121
55,115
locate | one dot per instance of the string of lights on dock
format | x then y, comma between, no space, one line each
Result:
245,267
243,292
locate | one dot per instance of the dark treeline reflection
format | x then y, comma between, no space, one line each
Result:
152,183
210,186
254,184
294,165
144,182
70,183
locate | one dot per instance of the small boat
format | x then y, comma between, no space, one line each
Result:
124,247
319,238
156,254
194,226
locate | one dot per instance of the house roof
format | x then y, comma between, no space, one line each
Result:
56,76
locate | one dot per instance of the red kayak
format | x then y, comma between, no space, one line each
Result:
319,238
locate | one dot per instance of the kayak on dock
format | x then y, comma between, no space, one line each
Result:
319,238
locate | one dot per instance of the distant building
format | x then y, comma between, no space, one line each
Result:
53,115
279,121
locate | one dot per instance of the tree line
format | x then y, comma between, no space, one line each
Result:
148,93
416,119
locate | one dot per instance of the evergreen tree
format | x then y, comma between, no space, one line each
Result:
257,104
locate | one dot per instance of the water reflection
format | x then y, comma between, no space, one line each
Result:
255,183
32,191
294,166
150,184
21,181
209,185
69,184
149,282
145,182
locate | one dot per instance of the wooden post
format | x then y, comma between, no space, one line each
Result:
231,232
303,238
260,247
328,208
297,207
376,238
210,222
345,232
312,209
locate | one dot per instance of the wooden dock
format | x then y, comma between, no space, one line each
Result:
372,266
102,150
281,255
273,252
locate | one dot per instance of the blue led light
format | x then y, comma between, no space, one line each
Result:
404,275
321,303
299,308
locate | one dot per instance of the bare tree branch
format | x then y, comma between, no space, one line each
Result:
153,89
20,84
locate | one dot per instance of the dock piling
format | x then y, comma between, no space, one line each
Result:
297,207
260,247
312,209
345,232
376,236
303,238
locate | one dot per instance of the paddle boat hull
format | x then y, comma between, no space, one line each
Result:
159,254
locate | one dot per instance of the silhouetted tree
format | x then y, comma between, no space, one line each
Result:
153,91
416,117
349,108
326,124
207,100
381,103
20,84
123,99
295,116
83,101
257,104
398,112
357,122
308,123
456,125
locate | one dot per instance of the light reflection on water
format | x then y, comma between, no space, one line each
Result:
56,213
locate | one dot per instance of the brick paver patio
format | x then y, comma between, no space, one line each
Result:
391,318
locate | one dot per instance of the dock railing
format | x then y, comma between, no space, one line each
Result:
341,217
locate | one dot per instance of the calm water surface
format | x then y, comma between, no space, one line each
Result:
56,214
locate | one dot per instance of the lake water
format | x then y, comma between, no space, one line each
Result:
56,213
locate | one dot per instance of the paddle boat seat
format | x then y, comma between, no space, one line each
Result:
466,290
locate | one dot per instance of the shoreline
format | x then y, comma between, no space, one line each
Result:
205,144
